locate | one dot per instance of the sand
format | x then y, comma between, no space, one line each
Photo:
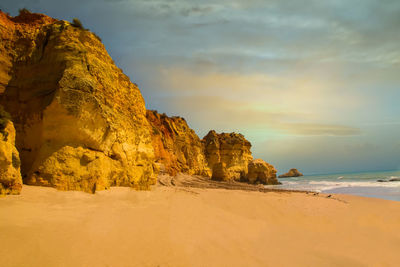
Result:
172,226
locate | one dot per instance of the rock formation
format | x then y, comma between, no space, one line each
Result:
81,124
10,175
228,155
177,148
291,173
261,172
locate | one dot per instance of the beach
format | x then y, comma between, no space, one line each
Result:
199,133
182,226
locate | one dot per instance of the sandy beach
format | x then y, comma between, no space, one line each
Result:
177,226
256,133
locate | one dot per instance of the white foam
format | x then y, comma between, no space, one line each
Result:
319,186
359,184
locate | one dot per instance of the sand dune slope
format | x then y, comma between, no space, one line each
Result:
196,227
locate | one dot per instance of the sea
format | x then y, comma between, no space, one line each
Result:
364,184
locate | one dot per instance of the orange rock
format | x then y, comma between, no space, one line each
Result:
177,148
10,174
261,172
68,102
81,124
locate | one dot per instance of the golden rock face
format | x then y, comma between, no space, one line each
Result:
81,124
261,172
10,175
177,147
228,155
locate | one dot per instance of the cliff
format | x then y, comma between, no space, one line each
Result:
10,175
224,157
80,123
261,172
177,148
228,155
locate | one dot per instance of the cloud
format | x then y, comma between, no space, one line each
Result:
224,115
309,129
301,76
175,8
314,96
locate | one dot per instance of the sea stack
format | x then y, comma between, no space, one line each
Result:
291,173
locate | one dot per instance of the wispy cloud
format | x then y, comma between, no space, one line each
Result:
224,115
310,129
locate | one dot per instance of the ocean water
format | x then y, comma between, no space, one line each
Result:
361,184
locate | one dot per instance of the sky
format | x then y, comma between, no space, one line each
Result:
313,85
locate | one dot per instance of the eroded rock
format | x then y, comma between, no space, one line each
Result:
262,172
228,155
10,174
81,124
69,102
177,148
291,173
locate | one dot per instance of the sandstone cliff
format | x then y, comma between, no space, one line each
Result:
81,124
261,172
228,155
291,173
177,148
10,175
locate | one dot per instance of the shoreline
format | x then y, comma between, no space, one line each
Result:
359,184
